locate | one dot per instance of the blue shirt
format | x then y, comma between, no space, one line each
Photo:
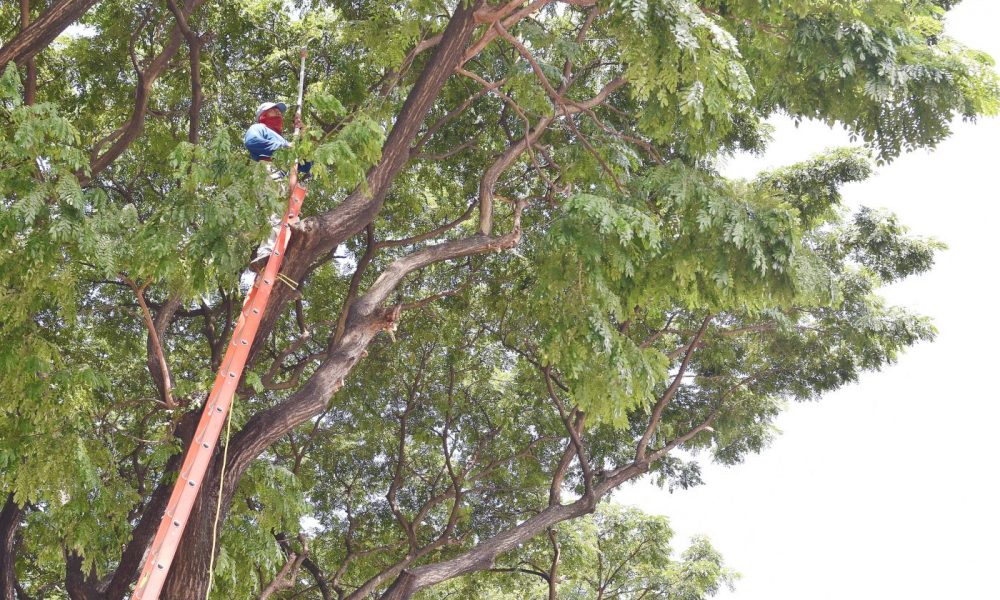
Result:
262,142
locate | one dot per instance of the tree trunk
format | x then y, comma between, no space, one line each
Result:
43,31
31,80
188,576
78,585
10,520
134,552
402,589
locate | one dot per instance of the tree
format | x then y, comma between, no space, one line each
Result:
521,281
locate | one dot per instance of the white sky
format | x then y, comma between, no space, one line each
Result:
888,488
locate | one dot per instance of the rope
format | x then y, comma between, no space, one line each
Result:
288,281
218,503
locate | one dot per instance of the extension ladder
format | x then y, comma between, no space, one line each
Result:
213,416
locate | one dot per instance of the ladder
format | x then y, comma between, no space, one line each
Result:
220,399
213,416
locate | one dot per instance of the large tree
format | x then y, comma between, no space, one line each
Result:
521,281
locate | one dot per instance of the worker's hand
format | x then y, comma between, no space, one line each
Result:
298,122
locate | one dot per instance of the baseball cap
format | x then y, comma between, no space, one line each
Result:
269,105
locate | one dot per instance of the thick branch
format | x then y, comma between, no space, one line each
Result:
31,80
483,555
10,521
136,122
317,236
574,425
286,576
367,319
133,552
555,489
42,31
194,46
490,34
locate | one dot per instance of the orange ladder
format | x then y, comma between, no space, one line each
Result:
213,416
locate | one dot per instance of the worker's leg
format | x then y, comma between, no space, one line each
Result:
264,250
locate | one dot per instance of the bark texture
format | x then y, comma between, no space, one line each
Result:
46,28
10,520
317,236
31,79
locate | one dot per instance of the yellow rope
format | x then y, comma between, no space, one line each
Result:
218,503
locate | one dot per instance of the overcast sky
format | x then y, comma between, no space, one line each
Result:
888,488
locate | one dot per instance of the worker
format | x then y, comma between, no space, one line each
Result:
262,140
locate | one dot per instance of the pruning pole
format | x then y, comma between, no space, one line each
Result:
302,84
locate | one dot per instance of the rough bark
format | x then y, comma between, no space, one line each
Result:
318,577
78,585
482,556
10,520
130,563
46,28
31,79
156,361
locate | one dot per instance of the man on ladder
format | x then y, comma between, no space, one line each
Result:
262,140
201,451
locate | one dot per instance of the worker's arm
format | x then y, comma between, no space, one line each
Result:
262,142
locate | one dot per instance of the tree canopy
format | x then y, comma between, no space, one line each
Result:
521,280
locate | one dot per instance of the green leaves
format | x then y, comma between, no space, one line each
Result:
688,240
684,69
10,86
812,187
345,157
878,241
630,242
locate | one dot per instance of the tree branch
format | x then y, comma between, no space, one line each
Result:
31,79
135,124
286,576
654,419
315,237
166,381
194,45
575,429
43,31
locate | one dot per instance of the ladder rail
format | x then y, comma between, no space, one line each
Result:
202,449
213,416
